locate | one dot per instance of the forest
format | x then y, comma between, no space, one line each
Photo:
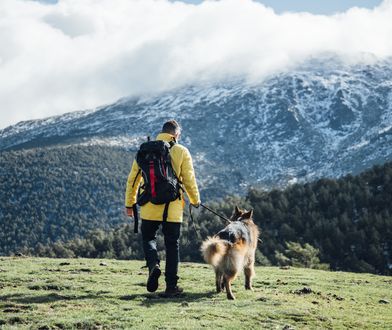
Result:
56,204
60,193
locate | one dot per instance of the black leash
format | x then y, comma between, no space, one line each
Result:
136,217
193,220
193,224
212,211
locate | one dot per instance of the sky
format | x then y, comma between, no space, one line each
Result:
324,7
80,54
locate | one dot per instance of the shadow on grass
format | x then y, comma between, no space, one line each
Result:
149,299
145,299
48,298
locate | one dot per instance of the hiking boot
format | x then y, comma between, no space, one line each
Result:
152,282
173,291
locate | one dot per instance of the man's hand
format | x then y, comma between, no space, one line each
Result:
129,211
196,205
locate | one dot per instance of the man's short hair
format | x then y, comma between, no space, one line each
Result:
171,127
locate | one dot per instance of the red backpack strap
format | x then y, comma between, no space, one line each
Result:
152,179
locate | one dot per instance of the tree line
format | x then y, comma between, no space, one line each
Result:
60,193
56,204
342,224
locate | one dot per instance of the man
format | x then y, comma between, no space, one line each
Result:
152,214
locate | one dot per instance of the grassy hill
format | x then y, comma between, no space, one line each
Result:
39,293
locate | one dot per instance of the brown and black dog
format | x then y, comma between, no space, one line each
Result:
233,249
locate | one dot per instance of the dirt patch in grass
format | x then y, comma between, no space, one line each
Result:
13,308
16,320
87,325
77,325
54,270
304,290
51,287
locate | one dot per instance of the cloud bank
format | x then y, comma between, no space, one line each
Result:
76,54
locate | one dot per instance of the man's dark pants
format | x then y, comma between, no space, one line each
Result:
171,233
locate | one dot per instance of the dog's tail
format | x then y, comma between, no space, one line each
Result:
213,249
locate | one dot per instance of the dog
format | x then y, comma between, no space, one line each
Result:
233,249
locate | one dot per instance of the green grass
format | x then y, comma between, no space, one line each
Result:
38,293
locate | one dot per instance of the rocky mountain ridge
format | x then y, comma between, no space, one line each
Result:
320,120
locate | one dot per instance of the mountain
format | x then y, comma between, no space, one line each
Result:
323,119
63,176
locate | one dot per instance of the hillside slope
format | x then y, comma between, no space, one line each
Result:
323,119
92,294
60,198
60,193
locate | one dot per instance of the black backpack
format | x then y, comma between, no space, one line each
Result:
161,185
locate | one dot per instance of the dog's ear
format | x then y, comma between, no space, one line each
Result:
248,215
236,213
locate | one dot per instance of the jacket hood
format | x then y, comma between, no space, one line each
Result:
166,137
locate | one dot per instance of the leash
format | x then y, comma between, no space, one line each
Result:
193,224
136,217
193,220
212,211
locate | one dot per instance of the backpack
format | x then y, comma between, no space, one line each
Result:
161,185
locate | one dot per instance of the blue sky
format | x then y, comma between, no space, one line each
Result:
325,7
313,6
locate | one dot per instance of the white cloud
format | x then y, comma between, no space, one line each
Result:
80,54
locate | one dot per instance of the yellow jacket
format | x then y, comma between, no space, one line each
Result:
183,167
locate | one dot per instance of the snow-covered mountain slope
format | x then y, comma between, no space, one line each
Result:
317,121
